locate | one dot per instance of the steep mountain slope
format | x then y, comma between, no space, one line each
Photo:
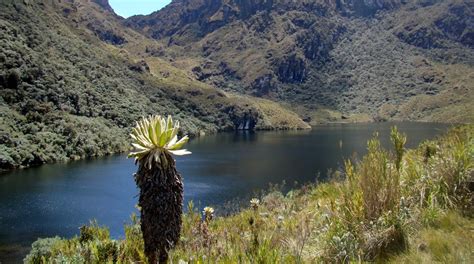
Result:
359,58
72,82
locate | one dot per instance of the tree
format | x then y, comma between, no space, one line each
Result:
13,79
161,187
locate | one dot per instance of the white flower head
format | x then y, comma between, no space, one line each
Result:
208,213
254,203
155,135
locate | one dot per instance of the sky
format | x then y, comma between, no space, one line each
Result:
127,8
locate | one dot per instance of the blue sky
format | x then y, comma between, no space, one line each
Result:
128,8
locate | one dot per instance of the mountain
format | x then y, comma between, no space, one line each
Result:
73,82
74,76
383,59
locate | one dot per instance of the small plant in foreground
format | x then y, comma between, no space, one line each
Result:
254,203
208,213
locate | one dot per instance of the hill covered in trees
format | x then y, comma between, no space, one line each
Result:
71,87
74,76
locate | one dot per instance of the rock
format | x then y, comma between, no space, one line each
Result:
263,85
207,16
458,24
141,66
366,8
243,118
455,23
209,69
291,69
423,37
314,46
110,37
104,4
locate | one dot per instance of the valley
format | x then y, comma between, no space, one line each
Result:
75,76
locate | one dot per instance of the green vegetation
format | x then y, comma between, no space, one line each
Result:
66,92
361,60
74,76
161,186
62,96
403,205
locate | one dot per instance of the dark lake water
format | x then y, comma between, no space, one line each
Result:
56,199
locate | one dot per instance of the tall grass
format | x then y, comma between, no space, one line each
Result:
369,223
400,205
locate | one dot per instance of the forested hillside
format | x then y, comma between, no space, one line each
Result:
71,87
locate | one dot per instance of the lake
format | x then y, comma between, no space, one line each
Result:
57,199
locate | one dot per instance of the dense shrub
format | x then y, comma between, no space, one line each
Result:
63,96
42,249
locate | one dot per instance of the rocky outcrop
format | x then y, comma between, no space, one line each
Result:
200,17
423,37
104,4
366,7
97,15
263,85
250,7
208,70
243,117
316,43
291,69
203,16
458,25
453,23
140,67
108,36
314,46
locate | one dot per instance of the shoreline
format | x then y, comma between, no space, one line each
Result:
198,135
